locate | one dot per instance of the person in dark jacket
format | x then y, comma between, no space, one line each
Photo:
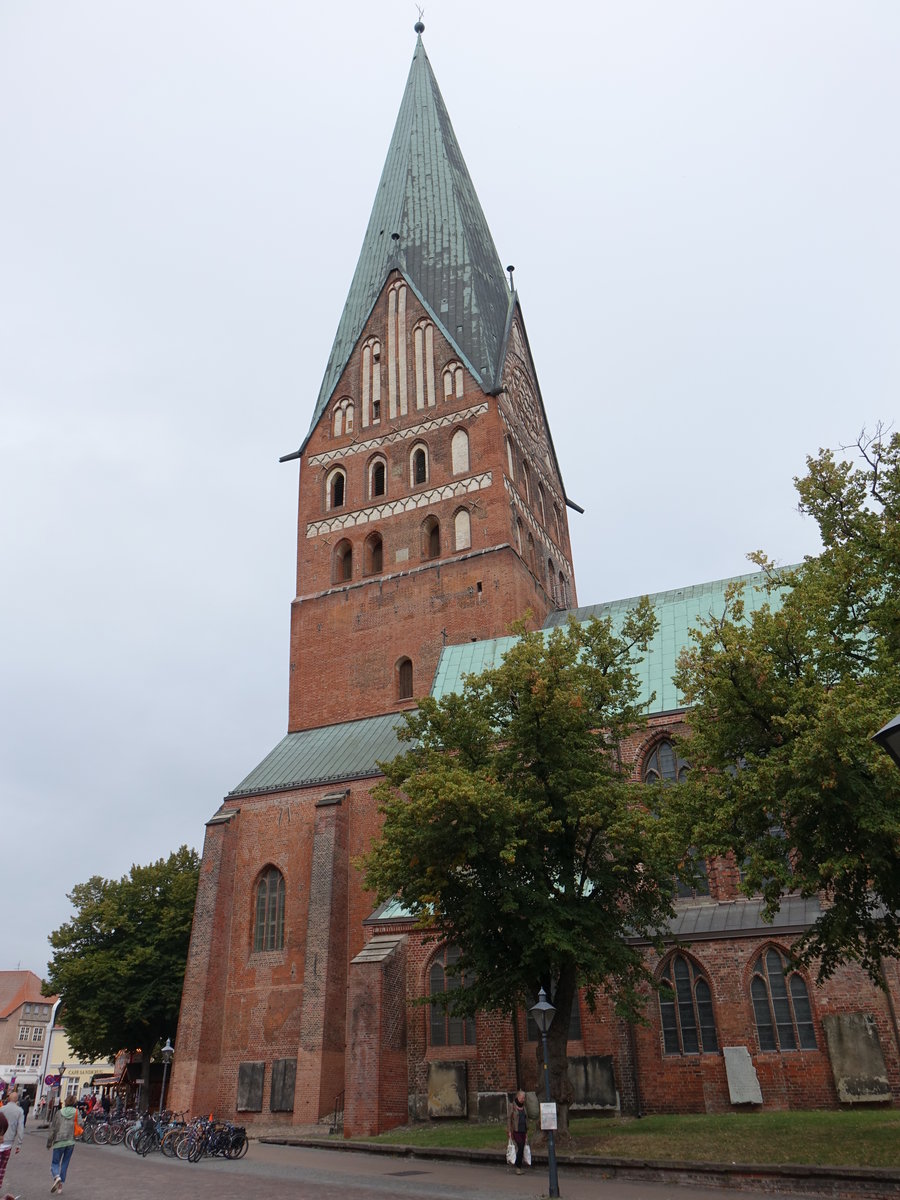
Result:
517,1127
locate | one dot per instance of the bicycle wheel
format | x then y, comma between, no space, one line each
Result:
196,1149
101,1134
239,1150
117,1133
182,1144
87,1133
170,1137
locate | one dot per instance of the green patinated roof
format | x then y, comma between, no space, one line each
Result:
445,249
677,612
314,756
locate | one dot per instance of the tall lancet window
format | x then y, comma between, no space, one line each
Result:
370,383
396,338
424,345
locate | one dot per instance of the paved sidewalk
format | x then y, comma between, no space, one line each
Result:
281,1172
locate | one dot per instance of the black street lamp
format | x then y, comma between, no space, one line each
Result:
543,1013
167,1051
888,738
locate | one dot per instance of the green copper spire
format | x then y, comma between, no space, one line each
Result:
427,223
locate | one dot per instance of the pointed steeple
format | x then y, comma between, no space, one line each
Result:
427,223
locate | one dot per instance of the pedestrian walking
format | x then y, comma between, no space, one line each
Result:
15,1128
4,1154
25,1105
62,1142
517,1128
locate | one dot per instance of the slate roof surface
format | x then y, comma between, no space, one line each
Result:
327,755
677,612
445,249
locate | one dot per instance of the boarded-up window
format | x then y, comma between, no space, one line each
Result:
459,452
284,1073
251,1076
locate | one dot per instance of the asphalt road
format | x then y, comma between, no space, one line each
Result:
282,1172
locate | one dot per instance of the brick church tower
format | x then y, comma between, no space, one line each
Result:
431,513
431,504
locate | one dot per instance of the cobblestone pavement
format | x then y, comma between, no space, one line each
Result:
278,1172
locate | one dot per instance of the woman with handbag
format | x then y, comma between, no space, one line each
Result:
61,1140
517,1128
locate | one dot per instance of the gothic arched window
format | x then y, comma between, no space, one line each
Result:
404,679
781,1004
343,562
377,478
374,554
336,488
663,765
447,1029
685,1009
431,538
268,932
418,466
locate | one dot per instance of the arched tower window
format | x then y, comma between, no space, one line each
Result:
343,562
423,341
447,1029
526,480
374,555
685,1009
431,538
418,466
542,508
453,381
462,529
781,1004
336,488
377,478
404,679
563,591
268,930
459,452
531,558
370,382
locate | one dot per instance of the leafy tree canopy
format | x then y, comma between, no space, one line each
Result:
513,829
118,965
785,701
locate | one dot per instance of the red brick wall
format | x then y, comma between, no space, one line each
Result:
347,636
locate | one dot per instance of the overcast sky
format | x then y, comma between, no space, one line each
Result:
701,202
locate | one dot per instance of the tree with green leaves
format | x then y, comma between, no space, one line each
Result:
513,829
784,703
118,964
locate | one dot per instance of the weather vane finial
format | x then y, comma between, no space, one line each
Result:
420,24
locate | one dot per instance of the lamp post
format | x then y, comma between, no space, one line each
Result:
543,1013
167,1051
888,738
